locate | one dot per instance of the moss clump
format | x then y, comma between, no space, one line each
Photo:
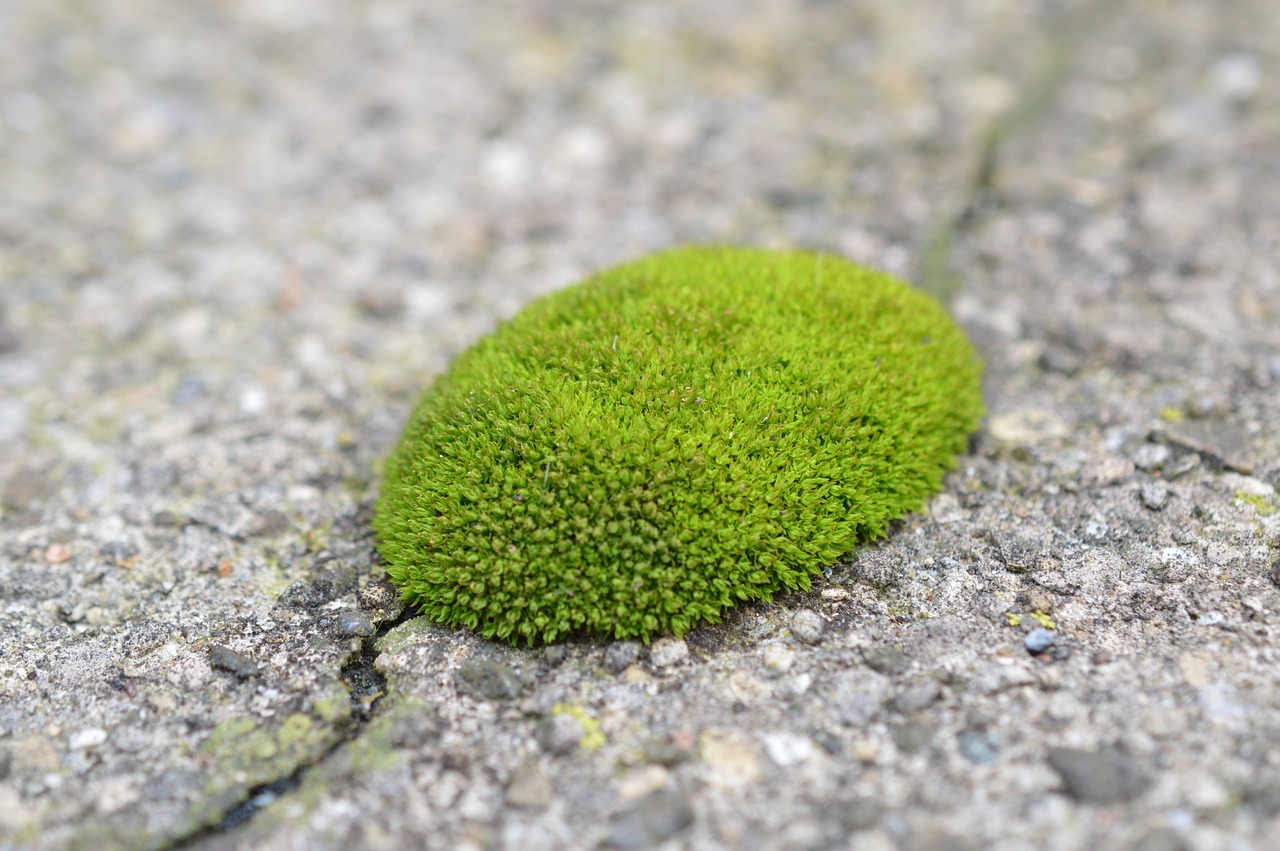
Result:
673,436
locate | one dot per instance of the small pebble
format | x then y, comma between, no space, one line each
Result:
886,659
1039,601
1154,495
978,746
620,655
57,554
779,658
666,652
918,696
1151,456
91,737
642,781
654,819
808,626
787,749
1038,640
559,734
911,736
226,659
860,814
667,752
1098,777
356,624
487,680
381,600
302,595
555,654
529,788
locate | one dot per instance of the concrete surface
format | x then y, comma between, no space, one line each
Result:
238,239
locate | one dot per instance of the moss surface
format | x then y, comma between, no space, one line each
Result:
676,435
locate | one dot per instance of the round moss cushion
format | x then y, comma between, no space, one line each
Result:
642,451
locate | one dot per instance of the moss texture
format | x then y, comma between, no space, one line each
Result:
674,436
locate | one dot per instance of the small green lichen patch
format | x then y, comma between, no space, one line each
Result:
1044,620
244,753
1263,505
592,736
674,436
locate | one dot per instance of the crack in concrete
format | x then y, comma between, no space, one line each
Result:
1033,102
366,687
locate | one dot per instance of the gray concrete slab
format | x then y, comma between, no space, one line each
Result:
237,240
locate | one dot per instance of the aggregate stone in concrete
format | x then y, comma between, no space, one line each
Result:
237,240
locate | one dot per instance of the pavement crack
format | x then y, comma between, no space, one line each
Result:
366,687
1034,100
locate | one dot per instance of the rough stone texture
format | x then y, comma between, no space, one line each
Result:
236,240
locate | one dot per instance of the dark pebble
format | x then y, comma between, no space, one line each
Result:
1017,553
1100,777
170,519
555,654
886,660
621,654
654,819
302,595
665,752
226,659
1060,652
488,680
356,624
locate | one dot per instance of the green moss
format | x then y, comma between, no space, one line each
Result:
670,438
